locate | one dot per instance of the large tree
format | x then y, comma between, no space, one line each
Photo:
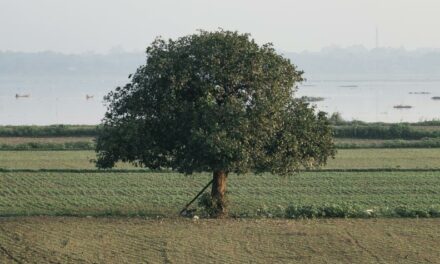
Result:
214,101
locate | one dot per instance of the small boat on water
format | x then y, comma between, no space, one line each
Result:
435,98
22,96
88,97
419,93
402,106
348,86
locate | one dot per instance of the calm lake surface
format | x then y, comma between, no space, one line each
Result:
374,101
62,99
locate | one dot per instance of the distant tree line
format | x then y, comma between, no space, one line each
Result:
329,61
80,145
58,63
380,131
342,129
381,62
48,131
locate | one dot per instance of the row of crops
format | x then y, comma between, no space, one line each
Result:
307,194
50,171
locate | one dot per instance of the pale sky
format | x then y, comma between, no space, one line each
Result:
74,26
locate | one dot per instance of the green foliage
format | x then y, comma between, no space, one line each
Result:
404,211
48,131
213,101
353,129
423,143
348,210
85,145
379,131
343,210
208,205
434,122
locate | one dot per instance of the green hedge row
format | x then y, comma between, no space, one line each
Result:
50,146
87,145
345,130
346,211
424,143
394,131
48,131
291,212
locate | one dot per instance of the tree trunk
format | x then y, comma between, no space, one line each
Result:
218,192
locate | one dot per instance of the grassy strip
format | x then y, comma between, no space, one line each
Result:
345,159
82,170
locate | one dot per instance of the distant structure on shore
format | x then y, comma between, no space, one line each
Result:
377,37
22,96
88,97
403,106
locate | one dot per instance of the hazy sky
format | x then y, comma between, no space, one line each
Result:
73,26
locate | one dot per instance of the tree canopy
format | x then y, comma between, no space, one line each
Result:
213,101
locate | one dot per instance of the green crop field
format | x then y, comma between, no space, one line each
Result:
132,217
250,195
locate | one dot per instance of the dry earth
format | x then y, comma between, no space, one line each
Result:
135,240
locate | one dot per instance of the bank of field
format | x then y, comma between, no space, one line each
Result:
89,240
345,159
151,194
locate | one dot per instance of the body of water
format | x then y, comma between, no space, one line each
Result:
63,99
374,101
55,99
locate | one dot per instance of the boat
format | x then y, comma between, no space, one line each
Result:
402,106
22,95
348,86
419,93
88,97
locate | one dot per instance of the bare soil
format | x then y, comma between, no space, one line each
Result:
134,240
